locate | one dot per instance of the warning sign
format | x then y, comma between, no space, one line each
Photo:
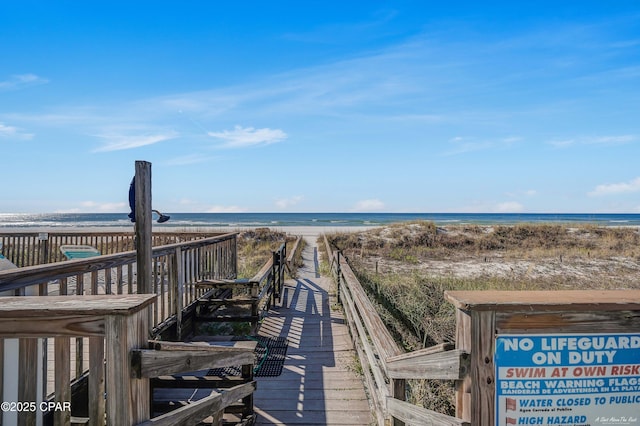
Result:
572,380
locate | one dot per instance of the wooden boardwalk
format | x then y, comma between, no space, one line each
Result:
319,384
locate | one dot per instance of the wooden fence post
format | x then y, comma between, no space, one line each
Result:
128,400
275,275
398,391
338,275
463,387
178,290
143,225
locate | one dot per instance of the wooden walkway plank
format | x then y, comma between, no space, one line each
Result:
319,384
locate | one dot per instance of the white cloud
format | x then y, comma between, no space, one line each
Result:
226,209
616,188
118,142
13,132
611,140
284,203
509,207
19,81
368,205
241,137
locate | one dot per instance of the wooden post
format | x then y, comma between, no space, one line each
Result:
247,377
62,347
96,381
482,369
463,387
43,237
128,397
398,391
143,225
144,219
275,275
254,307
338,273
28,380
179,291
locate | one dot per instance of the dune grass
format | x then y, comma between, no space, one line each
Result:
406,268
255,248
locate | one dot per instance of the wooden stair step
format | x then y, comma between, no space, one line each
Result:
231,301
228,318
223,283
196,382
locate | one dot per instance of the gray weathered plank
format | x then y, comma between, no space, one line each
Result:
319,384
194,412
444,365
562,300
418,416
152,363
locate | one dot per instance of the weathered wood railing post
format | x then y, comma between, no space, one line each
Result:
177,284
275,276
338,275
128,397
143,225
255,289
97,381
463,386
143,216
43,237
62,347
121,320
399,392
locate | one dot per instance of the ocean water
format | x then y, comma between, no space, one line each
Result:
200,220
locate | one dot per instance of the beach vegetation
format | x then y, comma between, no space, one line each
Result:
255,248
406,268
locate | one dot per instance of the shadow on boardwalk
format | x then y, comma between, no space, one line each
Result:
318,384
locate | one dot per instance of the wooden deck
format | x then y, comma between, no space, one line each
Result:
319,384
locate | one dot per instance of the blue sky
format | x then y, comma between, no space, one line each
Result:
321,106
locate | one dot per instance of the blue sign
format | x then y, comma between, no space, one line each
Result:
567,379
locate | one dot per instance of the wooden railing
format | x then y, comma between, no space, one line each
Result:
385,365
177,274
176,270
257,293
267,283
36,248
121,365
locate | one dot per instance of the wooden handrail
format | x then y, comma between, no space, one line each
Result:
376,328
385,365
12,279
413,414
294,250
196,411
34,248
175,269
153,363
430,363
